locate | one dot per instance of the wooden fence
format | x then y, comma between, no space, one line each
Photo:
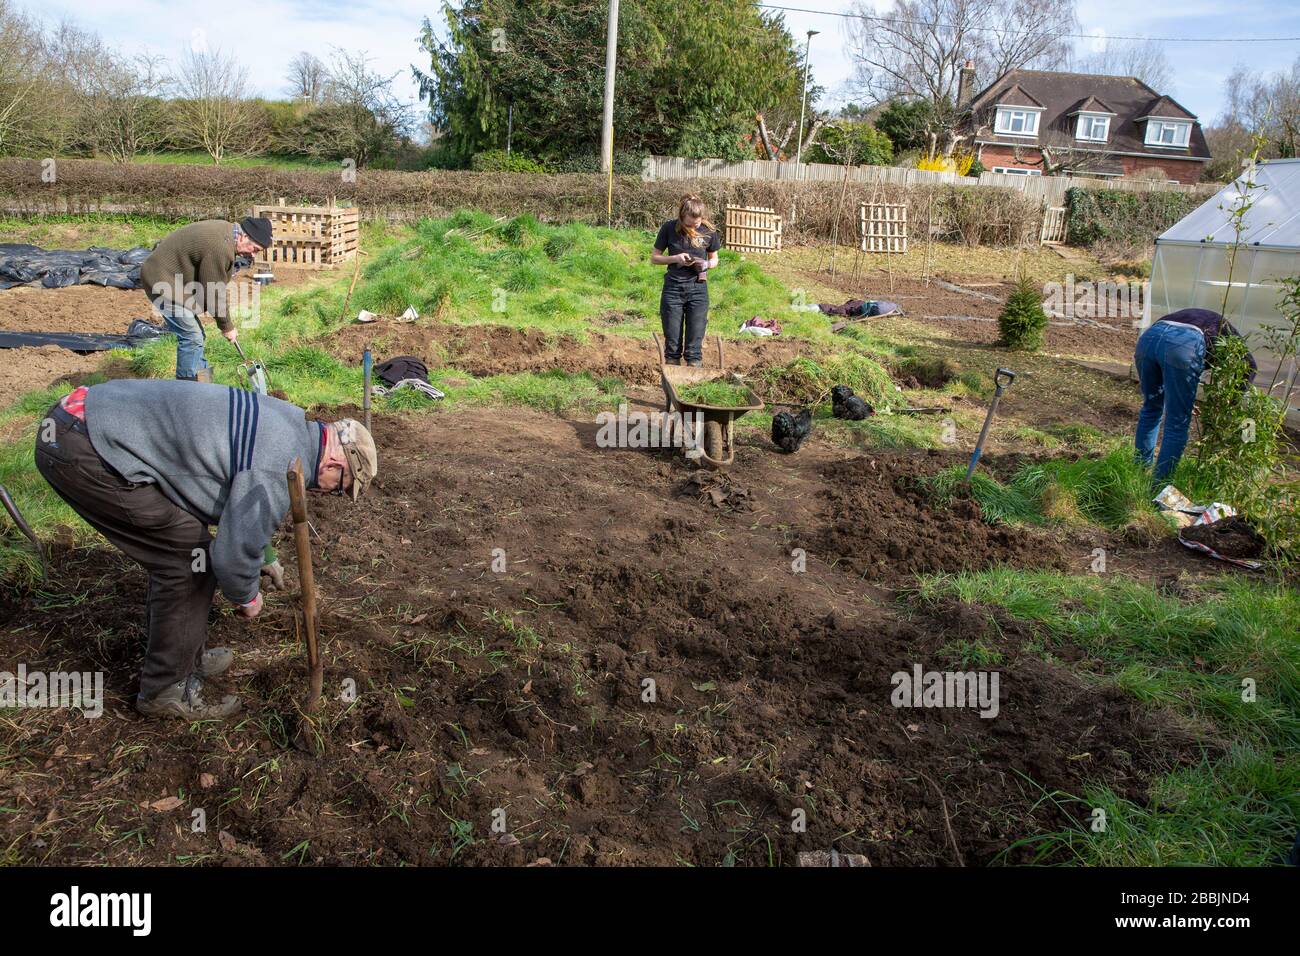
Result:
1049,189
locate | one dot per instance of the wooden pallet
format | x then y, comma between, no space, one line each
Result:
752,229
1053,231
310,237
883,227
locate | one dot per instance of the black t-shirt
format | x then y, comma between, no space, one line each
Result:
671,243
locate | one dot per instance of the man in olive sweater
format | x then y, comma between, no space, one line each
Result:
187,273
151,464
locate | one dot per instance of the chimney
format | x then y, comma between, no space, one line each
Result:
966,85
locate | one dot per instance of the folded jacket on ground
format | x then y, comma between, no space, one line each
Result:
855,308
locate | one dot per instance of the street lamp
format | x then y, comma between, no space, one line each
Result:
798,156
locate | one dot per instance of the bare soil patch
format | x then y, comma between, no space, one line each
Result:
525,690
497,349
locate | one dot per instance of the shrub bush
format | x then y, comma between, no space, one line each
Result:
497,161
1123,218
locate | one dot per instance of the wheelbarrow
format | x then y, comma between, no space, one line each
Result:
718,449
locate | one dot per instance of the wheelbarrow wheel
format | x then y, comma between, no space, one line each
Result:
713,444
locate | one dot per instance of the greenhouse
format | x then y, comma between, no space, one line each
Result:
1194,265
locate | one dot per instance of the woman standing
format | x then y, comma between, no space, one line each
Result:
688,246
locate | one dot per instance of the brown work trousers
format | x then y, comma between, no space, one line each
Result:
142,523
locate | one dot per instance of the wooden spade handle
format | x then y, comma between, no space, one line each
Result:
307,580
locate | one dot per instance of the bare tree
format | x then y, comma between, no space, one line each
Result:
1144,59
917,49
109,104
1063,156
307,77
1259,106
360,117
213,110
1026,34
22,77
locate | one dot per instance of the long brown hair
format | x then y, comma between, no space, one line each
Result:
692,205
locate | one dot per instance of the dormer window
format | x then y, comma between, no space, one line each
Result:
1093,127
1166,132
1017,121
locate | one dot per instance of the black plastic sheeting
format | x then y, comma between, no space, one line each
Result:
21,264
137,333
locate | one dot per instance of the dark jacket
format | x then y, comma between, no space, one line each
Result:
1212,325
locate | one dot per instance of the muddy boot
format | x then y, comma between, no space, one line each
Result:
695,363
215,661
203,375
185,699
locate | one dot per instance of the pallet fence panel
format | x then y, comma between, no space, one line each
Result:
752,229
883,227
1053,233
310,237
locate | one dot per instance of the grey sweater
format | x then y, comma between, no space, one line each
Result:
220,453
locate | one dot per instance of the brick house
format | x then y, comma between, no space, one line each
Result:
1041,123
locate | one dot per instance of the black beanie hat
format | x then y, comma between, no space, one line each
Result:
259,230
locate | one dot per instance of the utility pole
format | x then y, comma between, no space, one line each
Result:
607,128
798,156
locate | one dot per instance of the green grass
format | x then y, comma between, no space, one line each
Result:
718,392
1238,810
1151,642
79,232
999,503
470,269
200,158
1191,654
1111,490
805,381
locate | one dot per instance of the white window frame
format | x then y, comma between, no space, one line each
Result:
1155,132
1029,118
1017,171
1090,120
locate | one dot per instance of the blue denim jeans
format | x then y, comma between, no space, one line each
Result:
684,312
187,328
1169,360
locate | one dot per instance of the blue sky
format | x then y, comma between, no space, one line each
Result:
267,34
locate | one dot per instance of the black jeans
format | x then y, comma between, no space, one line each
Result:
142,523
684,308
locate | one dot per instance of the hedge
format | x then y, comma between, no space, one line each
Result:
810,209
1121,217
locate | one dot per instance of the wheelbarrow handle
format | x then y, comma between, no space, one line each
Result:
659,347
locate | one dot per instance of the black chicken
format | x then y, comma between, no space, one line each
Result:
789,431
846,405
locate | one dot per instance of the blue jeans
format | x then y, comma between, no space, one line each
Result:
1169,360
684,312
187,328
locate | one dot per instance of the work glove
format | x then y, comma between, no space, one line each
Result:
274,574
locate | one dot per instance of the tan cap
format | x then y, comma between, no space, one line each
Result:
359,449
